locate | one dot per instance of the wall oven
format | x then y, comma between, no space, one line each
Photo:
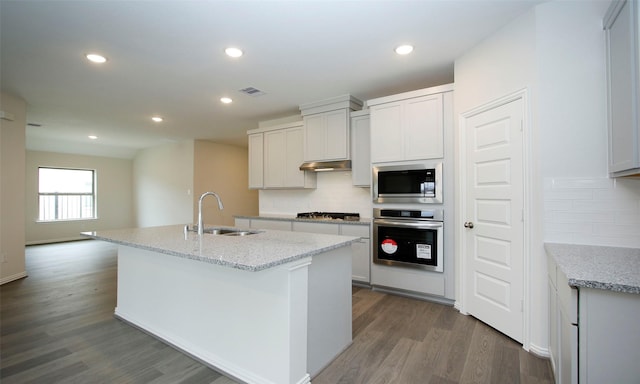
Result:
409,183
408,238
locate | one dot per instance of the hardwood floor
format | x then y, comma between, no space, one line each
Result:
57,326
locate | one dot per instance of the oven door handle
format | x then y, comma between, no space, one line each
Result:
409,224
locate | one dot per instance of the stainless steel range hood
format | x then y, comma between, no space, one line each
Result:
325,166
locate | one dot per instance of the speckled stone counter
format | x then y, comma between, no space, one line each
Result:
609,268
255,252
362,221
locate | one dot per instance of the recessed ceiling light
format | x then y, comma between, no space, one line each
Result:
404,49
93,137
157,119
233,52
94,57
226,100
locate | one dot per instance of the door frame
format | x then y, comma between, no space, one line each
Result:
460,235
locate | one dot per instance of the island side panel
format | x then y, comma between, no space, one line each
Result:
330,312
250,325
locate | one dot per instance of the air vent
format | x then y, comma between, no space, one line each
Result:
34,125
252,91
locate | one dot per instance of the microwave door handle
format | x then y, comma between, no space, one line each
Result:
423,188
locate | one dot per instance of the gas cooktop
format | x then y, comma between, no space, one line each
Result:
329,216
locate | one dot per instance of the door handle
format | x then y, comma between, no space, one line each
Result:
468,224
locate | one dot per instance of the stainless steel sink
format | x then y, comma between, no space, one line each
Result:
224,231
241,233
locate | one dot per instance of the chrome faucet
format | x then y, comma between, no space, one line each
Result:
200,225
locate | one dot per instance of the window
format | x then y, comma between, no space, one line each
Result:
66,194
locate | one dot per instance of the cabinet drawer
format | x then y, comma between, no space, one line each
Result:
243,223
329,229
355,230
271,224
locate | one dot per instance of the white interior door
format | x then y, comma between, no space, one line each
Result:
494,209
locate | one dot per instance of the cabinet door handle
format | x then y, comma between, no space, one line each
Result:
468,224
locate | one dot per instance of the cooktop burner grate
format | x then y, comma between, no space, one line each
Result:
329,216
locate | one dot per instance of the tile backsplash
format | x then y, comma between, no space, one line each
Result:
334,193
595,211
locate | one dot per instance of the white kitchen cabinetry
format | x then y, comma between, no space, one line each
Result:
326,228
326,127
361,250
623,87
409,126
270,224
594,333
563,326
360,149
256,160
327,136
282,155
361,262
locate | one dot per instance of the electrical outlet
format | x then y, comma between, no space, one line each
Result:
3,257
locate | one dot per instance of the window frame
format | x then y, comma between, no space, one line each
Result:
93,194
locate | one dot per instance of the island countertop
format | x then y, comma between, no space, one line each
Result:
609,268
255,252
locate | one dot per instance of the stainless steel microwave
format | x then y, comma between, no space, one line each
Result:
410,183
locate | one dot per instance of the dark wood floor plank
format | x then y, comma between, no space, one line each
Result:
451,367
426,355
393,365
478,366
506,361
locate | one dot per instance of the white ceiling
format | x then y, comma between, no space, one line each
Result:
166,58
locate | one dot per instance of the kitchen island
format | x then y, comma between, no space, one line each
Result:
270,307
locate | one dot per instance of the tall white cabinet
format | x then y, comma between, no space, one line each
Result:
360,149
623,87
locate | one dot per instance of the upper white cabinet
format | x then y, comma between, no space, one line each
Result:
326,136
623,85
326,127
360,149
275,155
408,126
256,160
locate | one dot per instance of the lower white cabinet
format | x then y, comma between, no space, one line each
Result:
361,261
594,333
563,326
279,225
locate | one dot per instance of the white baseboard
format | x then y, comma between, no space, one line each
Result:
14,277
539,351
60,240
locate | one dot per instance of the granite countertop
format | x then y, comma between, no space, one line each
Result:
362,221
256,252
610,268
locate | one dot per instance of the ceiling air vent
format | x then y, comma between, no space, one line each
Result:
252,91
